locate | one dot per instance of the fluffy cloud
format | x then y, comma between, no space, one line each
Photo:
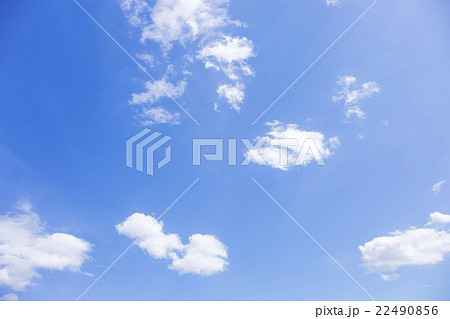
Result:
333,2
234,94
287,145
25,248
204,254
352,96
155,91
412,247
9,297
437,218
229,55
185,20
160,115
436,188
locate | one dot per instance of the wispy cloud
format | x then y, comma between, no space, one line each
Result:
436,188
352,95
154,93
158,115
233,93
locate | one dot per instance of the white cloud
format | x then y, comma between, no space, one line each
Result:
185,20
436,188
155,242
204,254
234,94
412,247
201,23
154,93
159,115
216,107
390,277
352,96
296,154
9,297
228,54
438,218
333,2
136,11
25,248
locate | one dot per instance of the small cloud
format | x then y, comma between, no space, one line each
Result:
352,96
436,188
234,94
385,123
158,115
156,91
438,218
390,277
216,107
333,3
361,137
229,55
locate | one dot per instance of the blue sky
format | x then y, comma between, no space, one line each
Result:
65,116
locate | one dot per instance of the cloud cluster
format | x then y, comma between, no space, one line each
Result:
25,248
205,25
413,247
204,255
184,20
293,146
352,95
